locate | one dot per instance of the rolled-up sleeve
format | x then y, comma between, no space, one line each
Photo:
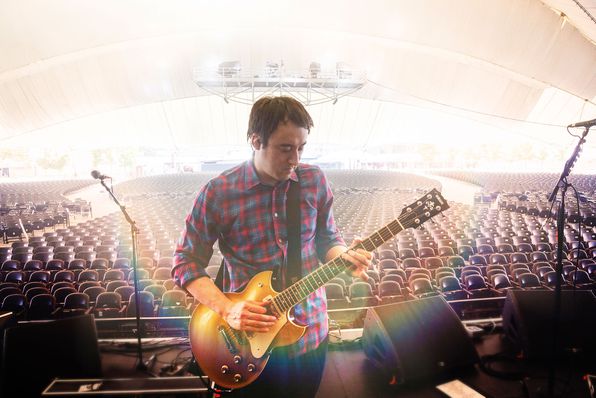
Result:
195,246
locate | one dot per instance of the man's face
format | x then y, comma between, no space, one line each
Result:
275,162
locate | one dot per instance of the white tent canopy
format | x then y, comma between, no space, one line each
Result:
104,73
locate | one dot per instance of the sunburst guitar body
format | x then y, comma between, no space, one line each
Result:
233,358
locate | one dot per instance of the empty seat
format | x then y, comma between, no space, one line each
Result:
387,263
477,259
121,262
17,277
451,289
406,253
113,275
173,303
75,304
422,287
145,262
44,257
390,291
465,251
424,252
124,291
579,277
466,273
524,247
77,265
17,304
519,257
445,251
67,257
336,298
536,256
88,275
433,262
159,290
529,281
21,257
108,305
64,276
146,303
41,307
166,262
7,290
497,258
93,292
393,277
476,286
55,265
455,261
387,254
500,281
60,294
162,273
112,285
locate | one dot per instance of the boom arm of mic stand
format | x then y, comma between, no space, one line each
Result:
134,231
569,165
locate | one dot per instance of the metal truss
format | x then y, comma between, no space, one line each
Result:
310,87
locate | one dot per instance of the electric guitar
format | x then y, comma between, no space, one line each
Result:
233,358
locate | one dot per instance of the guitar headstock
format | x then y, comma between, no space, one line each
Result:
423,209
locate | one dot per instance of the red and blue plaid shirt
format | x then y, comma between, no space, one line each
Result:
248,219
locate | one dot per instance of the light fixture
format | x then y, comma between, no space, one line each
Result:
310,86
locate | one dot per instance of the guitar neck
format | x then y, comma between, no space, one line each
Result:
294,294
412,216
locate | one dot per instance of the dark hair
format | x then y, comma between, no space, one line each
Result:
269,112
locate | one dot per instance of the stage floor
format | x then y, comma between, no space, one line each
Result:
348,373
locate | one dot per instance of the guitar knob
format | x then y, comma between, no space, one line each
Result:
225,369
237,378
251,367
237,359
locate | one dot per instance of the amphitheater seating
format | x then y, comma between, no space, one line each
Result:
512,245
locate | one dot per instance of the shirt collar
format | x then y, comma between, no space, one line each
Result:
251,178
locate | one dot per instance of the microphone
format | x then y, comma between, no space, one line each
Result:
98,176
587,123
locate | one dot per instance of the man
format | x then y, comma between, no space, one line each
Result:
244,209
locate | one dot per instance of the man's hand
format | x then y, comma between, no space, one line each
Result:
360,259
250,316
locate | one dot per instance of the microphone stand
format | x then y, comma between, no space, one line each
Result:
134,230
562,184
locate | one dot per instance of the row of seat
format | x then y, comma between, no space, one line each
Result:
468,282
94,300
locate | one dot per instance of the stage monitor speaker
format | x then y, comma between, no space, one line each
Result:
37,352
528,321
416,340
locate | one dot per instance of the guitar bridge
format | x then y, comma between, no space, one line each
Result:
233,338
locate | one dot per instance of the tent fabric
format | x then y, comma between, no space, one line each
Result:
123,71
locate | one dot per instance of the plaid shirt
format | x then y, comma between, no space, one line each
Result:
248,219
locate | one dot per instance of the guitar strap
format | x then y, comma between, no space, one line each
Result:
294,263
293,270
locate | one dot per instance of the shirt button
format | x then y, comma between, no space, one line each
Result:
280,240
275,215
